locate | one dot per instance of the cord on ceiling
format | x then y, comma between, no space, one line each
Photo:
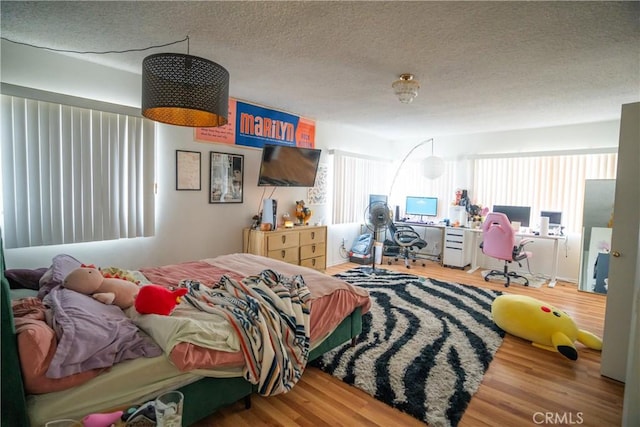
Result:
98,52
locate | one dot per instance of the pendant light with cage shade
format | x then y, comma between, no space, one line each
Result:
184,90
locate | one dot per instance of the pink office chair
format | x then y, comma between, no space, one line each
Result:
499,241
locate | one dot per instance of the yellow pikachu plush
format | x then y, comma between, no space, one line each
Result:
544,325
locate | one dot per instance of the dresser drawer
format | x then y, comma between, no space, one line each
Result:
310,251
318,263
315,235
304,245
289,255
282,240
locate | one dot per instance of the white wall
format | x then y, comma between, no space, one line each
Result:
188,227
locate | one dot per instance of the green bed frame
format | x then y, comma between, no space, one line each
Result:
202,398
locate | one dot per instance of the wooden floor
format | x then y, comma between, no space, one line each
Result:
522,386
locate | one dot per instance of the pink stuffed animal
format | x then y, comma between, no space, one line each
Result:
89,281
101,420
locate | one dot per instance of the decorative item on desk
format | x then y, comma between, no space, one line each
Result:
256,222
265,226
544,225
476,215
286,220
303,213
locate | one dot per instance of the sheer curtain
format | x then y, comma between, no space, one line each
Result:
553,183
74,175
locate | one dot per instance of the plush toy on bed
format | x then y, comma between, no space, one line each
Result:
90,281
101,420
155,299
546,326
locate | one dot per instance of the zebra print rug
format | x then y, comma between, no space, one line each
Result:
425,344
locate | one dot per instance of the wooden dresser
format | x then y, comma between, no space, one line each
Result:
302,245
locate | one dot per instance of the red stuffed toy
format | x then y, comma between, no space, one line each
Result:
155,299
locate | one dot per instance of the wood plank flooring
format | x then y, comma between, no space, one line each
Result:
522,386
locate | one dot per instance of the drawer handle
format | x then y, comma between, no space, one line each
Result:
313,249
284,238
283,254
313,262
313,235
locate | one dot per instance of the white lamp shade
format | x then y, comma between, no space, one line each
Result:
433,167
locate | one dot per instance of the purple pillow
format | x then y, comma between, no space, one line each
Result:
61,265
20,278
92,334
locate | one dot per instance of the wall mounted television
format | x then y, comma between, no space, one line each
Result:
285,166
520,214
423,206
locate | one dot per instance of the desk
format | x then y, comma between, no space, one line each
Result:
556,249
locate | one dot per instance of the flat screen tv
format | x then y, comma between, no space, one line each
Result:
285,166
519,214
423,206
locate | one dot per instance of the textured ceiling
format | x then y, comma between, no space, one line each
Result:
482,66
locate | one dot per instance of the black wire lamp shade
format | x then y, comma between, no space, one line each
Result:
184,90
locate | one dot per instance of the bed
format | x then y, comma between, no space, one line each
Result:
207,383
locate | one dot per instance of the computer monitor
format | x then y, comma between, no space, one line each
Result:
423,206
555,217
519,214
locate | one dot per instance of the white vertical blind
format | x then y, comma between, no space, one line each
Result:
74,175
355,177
554,183
411,182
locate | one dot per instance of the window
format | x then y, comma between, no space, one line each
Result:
546,183
355,177
73,174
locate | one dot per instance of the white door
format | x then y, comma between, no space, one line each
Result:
624,250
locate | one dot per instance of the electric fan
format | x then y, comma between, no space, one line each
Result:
377,218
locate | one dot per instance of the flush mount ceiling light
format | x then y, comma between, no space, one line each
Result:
184,90
406,88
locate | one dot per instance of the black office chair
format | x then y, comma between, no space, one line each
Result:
403,243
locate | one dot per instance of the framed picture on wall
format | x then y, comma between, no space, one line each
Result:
226,177
188,170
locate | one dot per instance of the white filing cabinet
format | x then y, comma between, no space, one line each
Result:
457,247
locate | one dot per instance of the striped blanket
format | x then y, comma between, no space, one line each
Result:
270,314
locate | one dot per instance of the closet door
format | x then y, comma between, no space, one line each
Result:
624,250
